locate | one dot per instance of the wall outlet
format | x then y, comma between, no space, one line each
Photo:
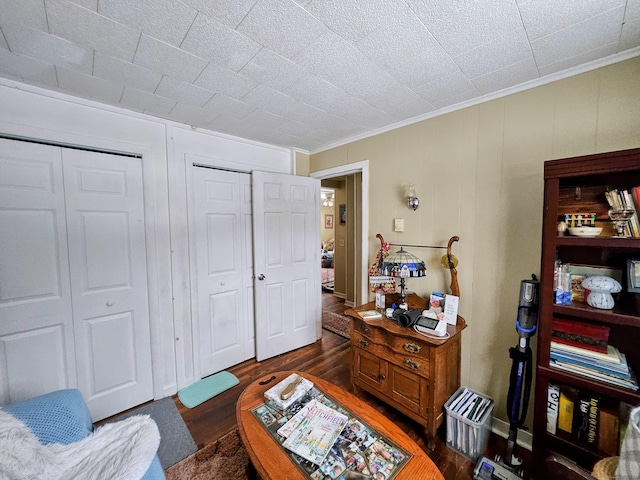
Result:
398,225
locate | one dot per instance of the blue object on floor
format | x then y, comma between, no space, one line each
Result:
207,388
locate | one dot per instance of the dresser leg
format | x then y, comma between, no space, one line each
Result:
431,441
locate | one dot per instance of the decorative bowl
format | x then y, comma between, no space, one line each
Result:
584,231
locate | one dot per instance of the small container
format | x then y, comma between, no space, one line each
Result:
468,428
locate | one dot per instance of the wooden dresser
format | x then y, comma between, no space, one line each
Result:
412,373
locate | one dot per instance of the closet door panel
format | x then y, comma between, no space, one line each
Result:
104,199
36,332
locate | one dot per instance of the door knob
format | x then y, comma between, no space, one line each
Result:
261,277
110,303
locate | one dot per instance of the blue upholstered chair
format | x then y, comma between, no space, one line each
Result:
62,417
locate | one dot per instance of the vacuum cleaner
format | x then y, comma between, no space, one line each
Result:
509,465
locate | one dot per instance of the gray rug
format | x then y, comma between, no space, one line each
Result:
176,442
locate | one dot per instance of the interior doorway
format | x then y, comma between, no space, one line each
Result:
350,244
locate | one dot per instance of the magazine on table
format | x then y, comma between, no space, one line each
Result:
358,452
313,430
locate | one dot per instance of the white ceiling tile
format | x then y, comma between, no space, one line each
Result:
218,79
355,20
632,12
579,38
29,69
168,60
273,70
295,29
88,4
630,37
323,95
268,99
221,103
455,99
542,18
461,26
507,77
146,102
87,28
260,118
368,116
187,113
226,12
581,58
183,92
295,128
166,21
49,48
26,13
118,70
446,87
496,54
214,41
3,42
87,86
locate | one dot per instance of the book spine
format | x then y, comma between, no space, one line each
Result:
580,425
553,398
565,410
608,432
592,422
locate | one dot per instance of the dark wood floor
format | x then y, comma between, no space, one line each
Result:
329,359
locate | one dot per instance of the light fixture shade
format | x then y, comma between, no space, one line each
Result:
403,264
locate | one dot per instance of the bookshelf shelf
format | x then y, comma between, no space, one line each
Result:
578,185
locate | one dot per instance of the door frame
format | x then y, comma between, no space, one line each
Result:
361,167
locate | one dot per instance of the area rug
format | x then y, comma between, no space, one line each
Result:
224,459
176,442
336,323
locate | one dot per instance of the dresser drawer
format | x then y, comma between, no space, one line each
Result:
397,343
414,363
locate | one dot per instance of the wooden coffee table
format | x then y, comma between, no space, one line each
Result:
270,459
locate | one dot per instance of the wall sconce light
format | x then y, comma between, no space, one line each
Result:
412,200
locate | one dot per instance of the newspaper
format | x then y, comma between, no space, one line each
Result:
359,452
313,430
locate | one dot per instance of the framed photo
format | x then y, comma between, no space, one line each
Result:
343,214
328,221
633,276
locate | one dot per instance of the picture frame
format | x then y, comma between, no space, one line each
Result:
343,213
328,220
633,275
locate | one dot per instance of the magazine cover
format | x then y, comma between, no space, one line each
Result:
359,452
313,430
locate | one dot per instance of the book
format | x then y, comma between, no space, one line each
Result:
608,431
631,383
612,355
593,420
619,370
624,412
312,431
369,314
565,409
580,423
553,397
580,334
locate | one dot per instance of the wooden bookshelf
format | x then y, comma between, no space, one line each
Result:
577,185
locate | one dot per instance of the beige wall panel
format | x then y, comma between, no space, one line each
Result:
576,116
619,107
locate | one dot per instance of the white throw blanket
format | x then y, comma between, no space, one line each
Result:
120,450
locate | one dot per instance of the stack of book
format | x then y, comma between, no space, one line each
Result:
627,199
610,367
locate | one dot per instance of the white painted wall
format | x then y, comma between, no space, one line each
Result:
35,113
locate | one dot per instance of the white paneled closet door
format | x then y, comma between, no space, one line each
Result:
73,290
107,255
36,331
223,265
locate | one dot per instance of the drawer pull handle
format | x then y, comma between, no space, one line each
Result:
363,343
411,364
411,347
364,329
